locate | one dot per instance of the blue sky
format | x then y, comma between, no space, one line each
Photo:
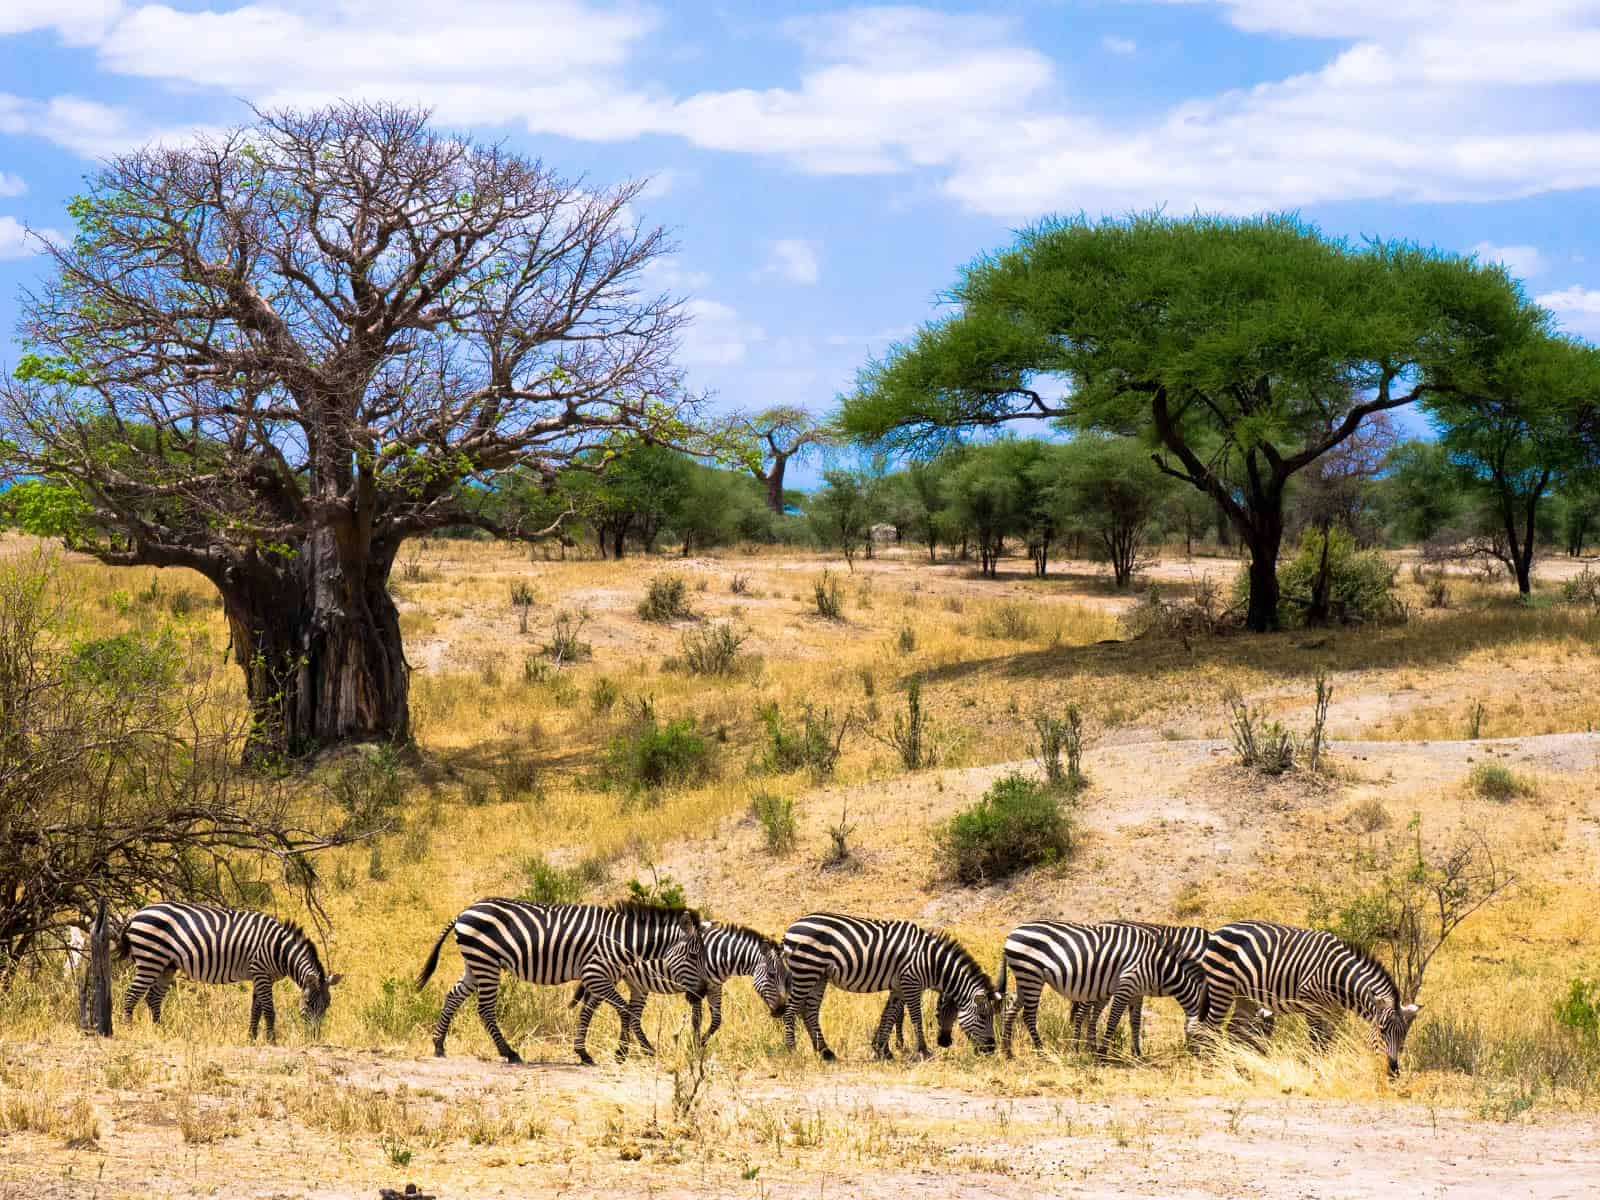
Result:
826,168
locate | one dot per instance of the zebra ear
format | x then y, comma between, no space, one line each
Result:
333,979
1411,1010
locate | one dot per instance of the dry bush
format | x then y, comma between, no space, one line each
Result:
666,598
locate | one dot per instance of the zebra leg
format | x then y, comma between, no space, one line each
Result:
714,999
158,993
261,1006
893,1011
913,1009
813,1019
900,1032
1135,1016
636,1000
790,1015
1029,990
488,1000
1119,1001
144,978
463,988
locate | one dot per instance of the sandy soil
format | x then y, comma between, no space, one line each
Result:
921,1141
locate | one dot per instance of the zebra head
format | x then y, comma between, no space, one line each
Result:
686,955
967,998
1390,1029
315,996
771,977
1185,982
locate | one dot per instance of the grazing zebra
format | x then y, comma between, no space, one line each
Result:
221,945
1090,965
563,943
1308,971
730,950
859,954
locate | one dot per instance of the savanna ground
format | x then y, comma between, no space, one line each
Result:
1497,1098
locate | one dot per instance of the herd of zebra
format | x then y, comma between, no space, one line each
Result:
1214,975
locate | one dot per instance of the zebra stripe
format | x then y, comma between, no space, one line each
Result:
859,954
730,950
221,945
562,943
1307,971
1090,965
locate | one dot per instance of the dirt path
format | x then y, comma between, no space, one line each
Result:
853,1132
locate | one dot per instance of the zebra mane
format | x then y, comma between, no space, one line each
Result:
653,912
963,957
299,936
1364,958
746,931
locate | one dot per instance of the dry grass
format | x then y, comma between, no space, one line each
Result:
1167,834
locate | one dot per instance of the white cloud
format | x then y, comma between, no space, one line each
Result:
669,274
871,342
1419,100
1576,307
84,126
1112,44
716,336
12,185
1522,261
793,260
18,241
78,22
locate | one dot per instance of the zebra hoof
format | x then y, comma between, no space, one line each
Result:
585,1059
829,1056
438,1049
882,1054
513,1059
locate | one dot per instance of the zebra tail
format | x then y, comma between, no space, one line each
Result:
124,947
433,955
1000,983
578,994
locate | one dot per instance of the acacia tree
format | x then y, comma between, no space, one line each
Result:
1246,349
273,355
1512,402
1109,488
781,435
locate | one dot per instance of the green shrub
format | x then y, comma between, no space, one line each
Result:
518,778
1058,736
712,651
369,788
776,816
1009,622
1259,744
1361,582
604,693
1019,823
663,891
1579,1010
399,1009
1494,782
548,884
666,599
907,641
829,595
654,755
1582,588
128,662
814,746
565,644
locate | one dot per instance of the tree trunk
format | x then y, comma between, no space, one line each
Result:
321,652
618,542
1224,529
1263,541
1321,586
774,481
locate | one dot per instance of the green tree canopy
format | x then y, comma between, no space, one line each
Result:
1244,348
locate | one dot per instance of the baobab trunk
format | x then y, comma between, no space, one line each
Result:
319,639
774,481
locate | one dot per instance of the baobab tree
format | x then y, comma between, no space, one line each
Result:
273,355
781,435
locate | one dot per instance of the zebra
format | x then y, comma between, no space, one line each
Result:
561,943
860,954
1308,971
730,950
1092,964
222,945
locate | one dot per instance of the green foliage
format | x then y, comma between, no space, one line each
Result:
1579,1010
369,788
713,650
1058,736
1421,490
655,755
548,884
813,747
1360,583
910,734
398,1011
828,593
1494,782
1582,588
842,512
663,891
1109,489
666,598
775,814
126,662
1019,823
1258,744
